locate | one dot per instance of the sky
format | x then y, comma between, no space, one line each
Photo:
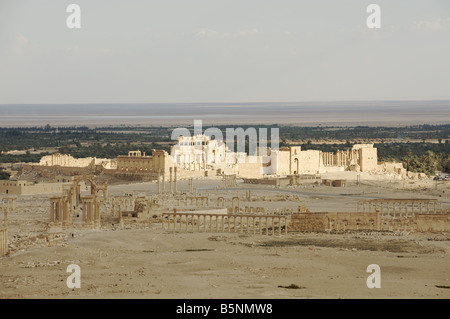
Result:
200,51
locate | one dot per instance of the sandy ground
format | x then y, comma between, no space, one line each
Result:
148,262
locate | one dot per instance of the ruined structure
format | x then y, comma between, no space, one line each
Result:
4,226
65,160
256,224
414,215
229,180
63,208
292,160
198,155
139,163
10,203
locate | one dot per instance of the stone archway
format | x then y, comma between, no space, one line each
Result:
76,188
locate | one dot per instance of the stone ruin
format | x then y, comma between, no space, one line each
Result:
194,211
71,203
410,215
8,204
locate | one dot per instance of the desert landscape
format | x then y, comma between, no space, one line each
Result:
229,150
143,260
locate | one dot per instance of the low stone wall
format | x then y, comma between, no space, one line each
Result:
218,211
432,222
322,222
282,181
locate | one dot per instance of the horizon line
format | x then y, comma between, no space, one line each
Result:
240,102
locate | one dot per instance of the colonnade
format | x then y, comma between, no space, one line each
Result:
256,224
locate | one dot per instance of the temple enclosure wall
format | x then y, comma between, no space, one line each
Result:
325,222
65,160
432,223
321,222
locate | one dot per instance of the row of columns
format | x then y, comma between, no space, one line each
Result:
202,200
341,158
328,159
59,209
400,207
249,209
224,223
90,210
172,181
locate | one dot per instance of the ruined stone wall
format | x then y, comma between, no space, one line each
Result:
65,160
432,222
147,165
368,159
391,168
282,162
315,222
309,162
249,170
321,222
262,181
295,160
389,223
137,164
334,221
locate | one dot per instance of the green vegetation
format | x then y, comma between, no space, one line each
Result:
3,174
23,158
393,143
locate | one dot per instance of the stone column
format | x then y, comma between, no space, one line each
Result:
163,182
14,204
52,211
175,179
159,181
170,181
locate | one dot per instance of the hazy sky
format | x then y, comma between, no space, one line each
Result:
136,51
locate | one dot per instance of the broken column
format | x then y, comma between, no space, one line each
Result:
163,183
170,180
159,181
175,181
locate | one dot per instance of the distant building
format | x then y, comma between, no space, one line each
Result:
65,160
199,155
21,187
